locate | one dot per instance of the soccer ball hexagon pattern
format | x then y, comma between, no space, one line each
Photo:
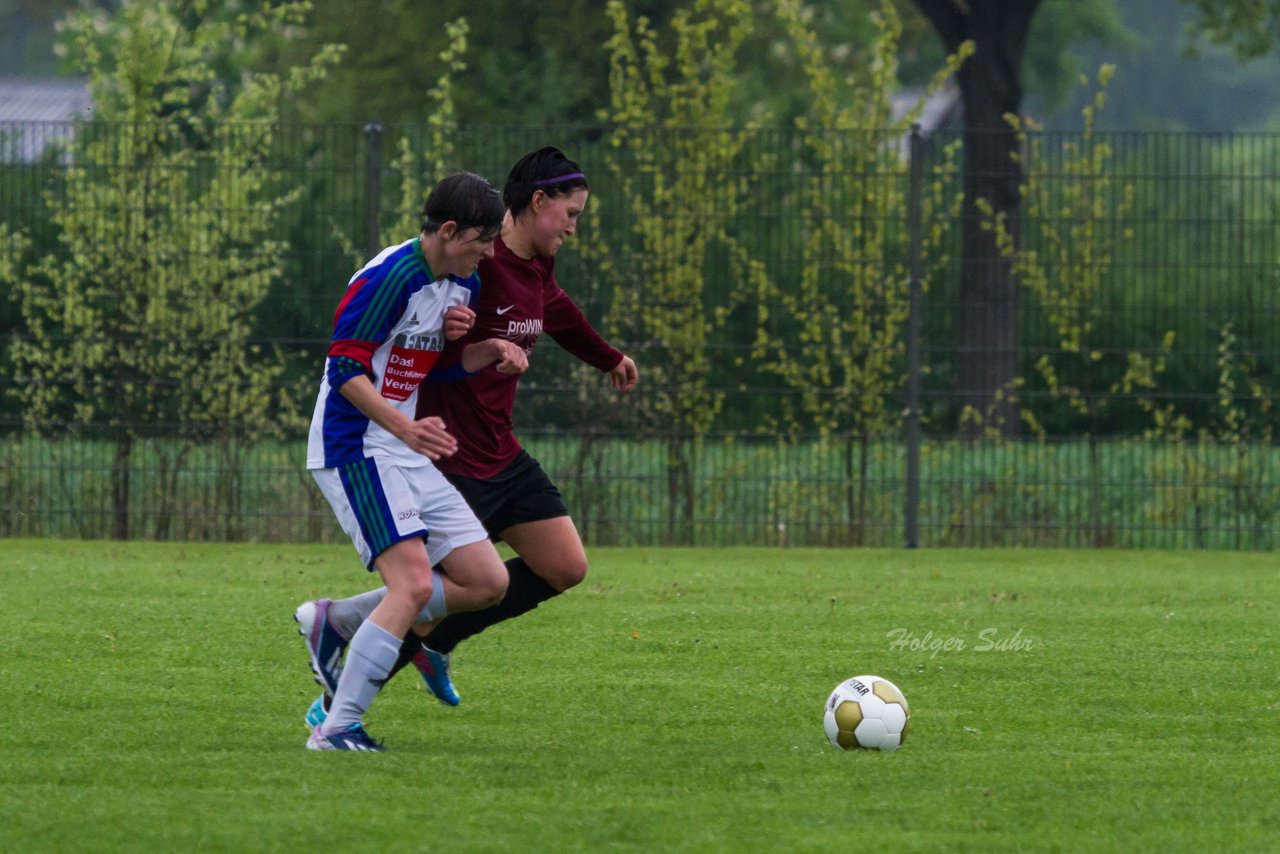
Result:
867,712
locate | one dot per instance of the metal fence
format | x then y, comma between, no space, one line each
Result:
801,306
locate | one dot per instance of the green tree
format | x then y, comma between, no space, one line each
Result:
424,153
847,298
27,35
1016,40
1078,213
550,71
1223,470
672,150
532,62
1250,27
991,88
1170,77
139,324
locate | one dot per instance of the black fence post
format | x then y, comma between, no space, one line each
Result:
372,187
911,514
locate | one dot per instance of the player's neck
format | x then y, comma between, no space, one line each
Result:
438,261
517,241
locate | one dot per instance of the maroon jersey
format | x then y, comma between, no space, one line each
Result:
519,300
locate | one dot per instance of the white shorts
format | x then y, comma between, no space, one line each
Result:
379,503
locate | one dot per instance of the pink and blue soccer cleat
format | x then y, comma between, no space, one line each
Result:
316,713
324,644
434,668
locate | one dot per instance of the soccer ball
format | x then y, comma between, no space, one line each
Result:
868,712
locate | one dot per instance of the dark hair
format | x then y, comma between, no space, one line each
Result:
546,169
467,199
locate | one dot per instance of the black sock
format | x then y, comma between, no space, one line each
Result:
525,591
408,649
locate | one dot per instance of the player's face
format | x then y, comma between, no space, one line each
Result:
554,219
466,248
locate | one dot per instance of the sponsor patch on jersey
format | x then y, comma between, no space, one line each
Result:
517,329
406,369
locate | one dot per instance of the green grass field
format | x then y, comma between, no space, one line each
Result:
152,698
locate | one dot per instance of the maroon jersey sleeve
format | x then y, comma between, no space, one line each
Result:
566,323
519,299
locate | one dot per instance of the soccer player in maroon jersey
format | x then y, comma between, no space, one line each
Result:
513,497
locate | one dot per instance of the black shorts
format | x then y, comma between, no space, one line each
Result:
521,492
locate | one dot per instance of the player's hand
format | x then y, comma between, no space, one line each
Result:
458,320
624,375
507,356
428,437
511,358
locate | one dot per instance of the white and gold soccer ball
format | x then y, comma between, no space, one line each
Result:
868,712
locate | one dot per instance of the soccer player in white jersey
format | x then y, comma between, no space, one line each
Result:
372,457
545,194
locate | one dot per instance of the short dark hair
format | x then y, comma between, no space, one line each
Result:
467,199
546,169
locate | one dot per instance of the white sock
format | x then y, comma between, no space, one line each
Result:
370,657
435,608
346,615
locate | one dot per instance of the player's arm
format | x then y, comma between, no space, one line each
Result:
458,320
624,375
566,323
507,356
364,319
426,436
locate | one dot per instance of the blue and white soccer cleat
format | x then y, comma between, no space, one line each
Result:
324,644
434,667
352,738
316,713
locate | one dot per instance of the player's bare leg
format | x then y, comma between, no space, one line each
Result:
471,576
374,647
550,560
552,549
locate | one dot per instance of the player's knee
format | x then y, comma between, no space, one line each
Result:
493,586
417,590
568,573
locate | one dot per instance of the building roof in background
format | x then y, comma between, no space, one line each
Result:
44,100
36,112
938,107
61,99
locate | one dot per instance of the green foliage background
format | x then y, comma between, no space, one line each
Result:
139,322
174,276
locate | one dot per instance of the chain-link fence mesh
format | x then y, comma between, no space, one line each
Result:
1101,371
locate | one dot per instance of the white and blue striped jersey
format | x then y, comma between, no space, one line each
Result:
390,327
